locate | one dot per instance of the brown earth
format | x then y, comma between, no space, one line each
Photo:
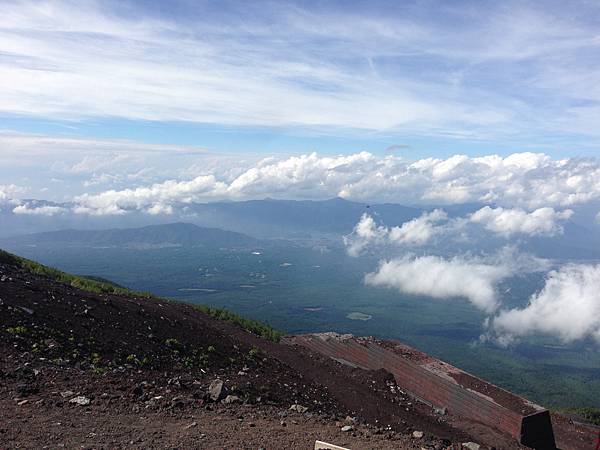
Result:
145,366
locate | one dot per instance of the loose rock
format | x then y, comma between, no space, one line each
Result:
231,399
298,408
471,445
80,400
215,390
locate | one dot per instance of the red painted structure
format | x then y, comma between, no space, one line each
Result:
440,385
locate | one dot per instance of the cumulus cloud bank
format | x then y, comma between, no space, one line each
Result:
442,278
522,180
9,192
473,278
45,210
509,222
366,232
156,199
415,232
568,307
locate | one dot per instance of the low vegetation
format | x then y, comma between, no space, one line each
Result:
80,282
590,415
253,326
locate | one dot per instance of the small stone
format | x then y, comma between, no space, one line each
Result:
80,400
177,401
27,310
231,399
417,434
347,428
471,445
66,394
298,408
215,390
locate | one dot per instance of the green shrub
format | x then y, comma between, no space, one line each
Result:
591,415
19,330
254,352
95,359
80,282
253,326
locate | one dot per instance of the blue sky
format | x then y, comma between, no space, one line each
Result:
441,77
185,83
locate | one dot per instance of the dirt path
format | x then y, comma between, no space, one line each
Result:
42,426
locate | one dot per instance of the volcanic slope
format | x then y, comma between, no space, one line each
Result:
84,363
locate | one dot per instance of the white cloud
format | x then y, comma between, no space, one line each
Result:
88,154
568,307
38,210
156,199
523,180
470,277
416,232
441,278
10,191
366,232
509,222
91,164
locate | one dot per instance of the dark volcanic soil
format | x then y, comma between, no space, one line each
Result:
143,369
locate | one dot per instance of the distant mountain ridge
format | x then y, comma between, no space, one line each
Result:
266,218
152,235
290,218
303,221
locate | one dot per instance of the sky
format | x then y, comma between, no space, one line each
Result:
108,107
177,83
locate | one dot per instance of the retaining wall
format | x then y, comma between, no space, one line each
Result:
440,384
